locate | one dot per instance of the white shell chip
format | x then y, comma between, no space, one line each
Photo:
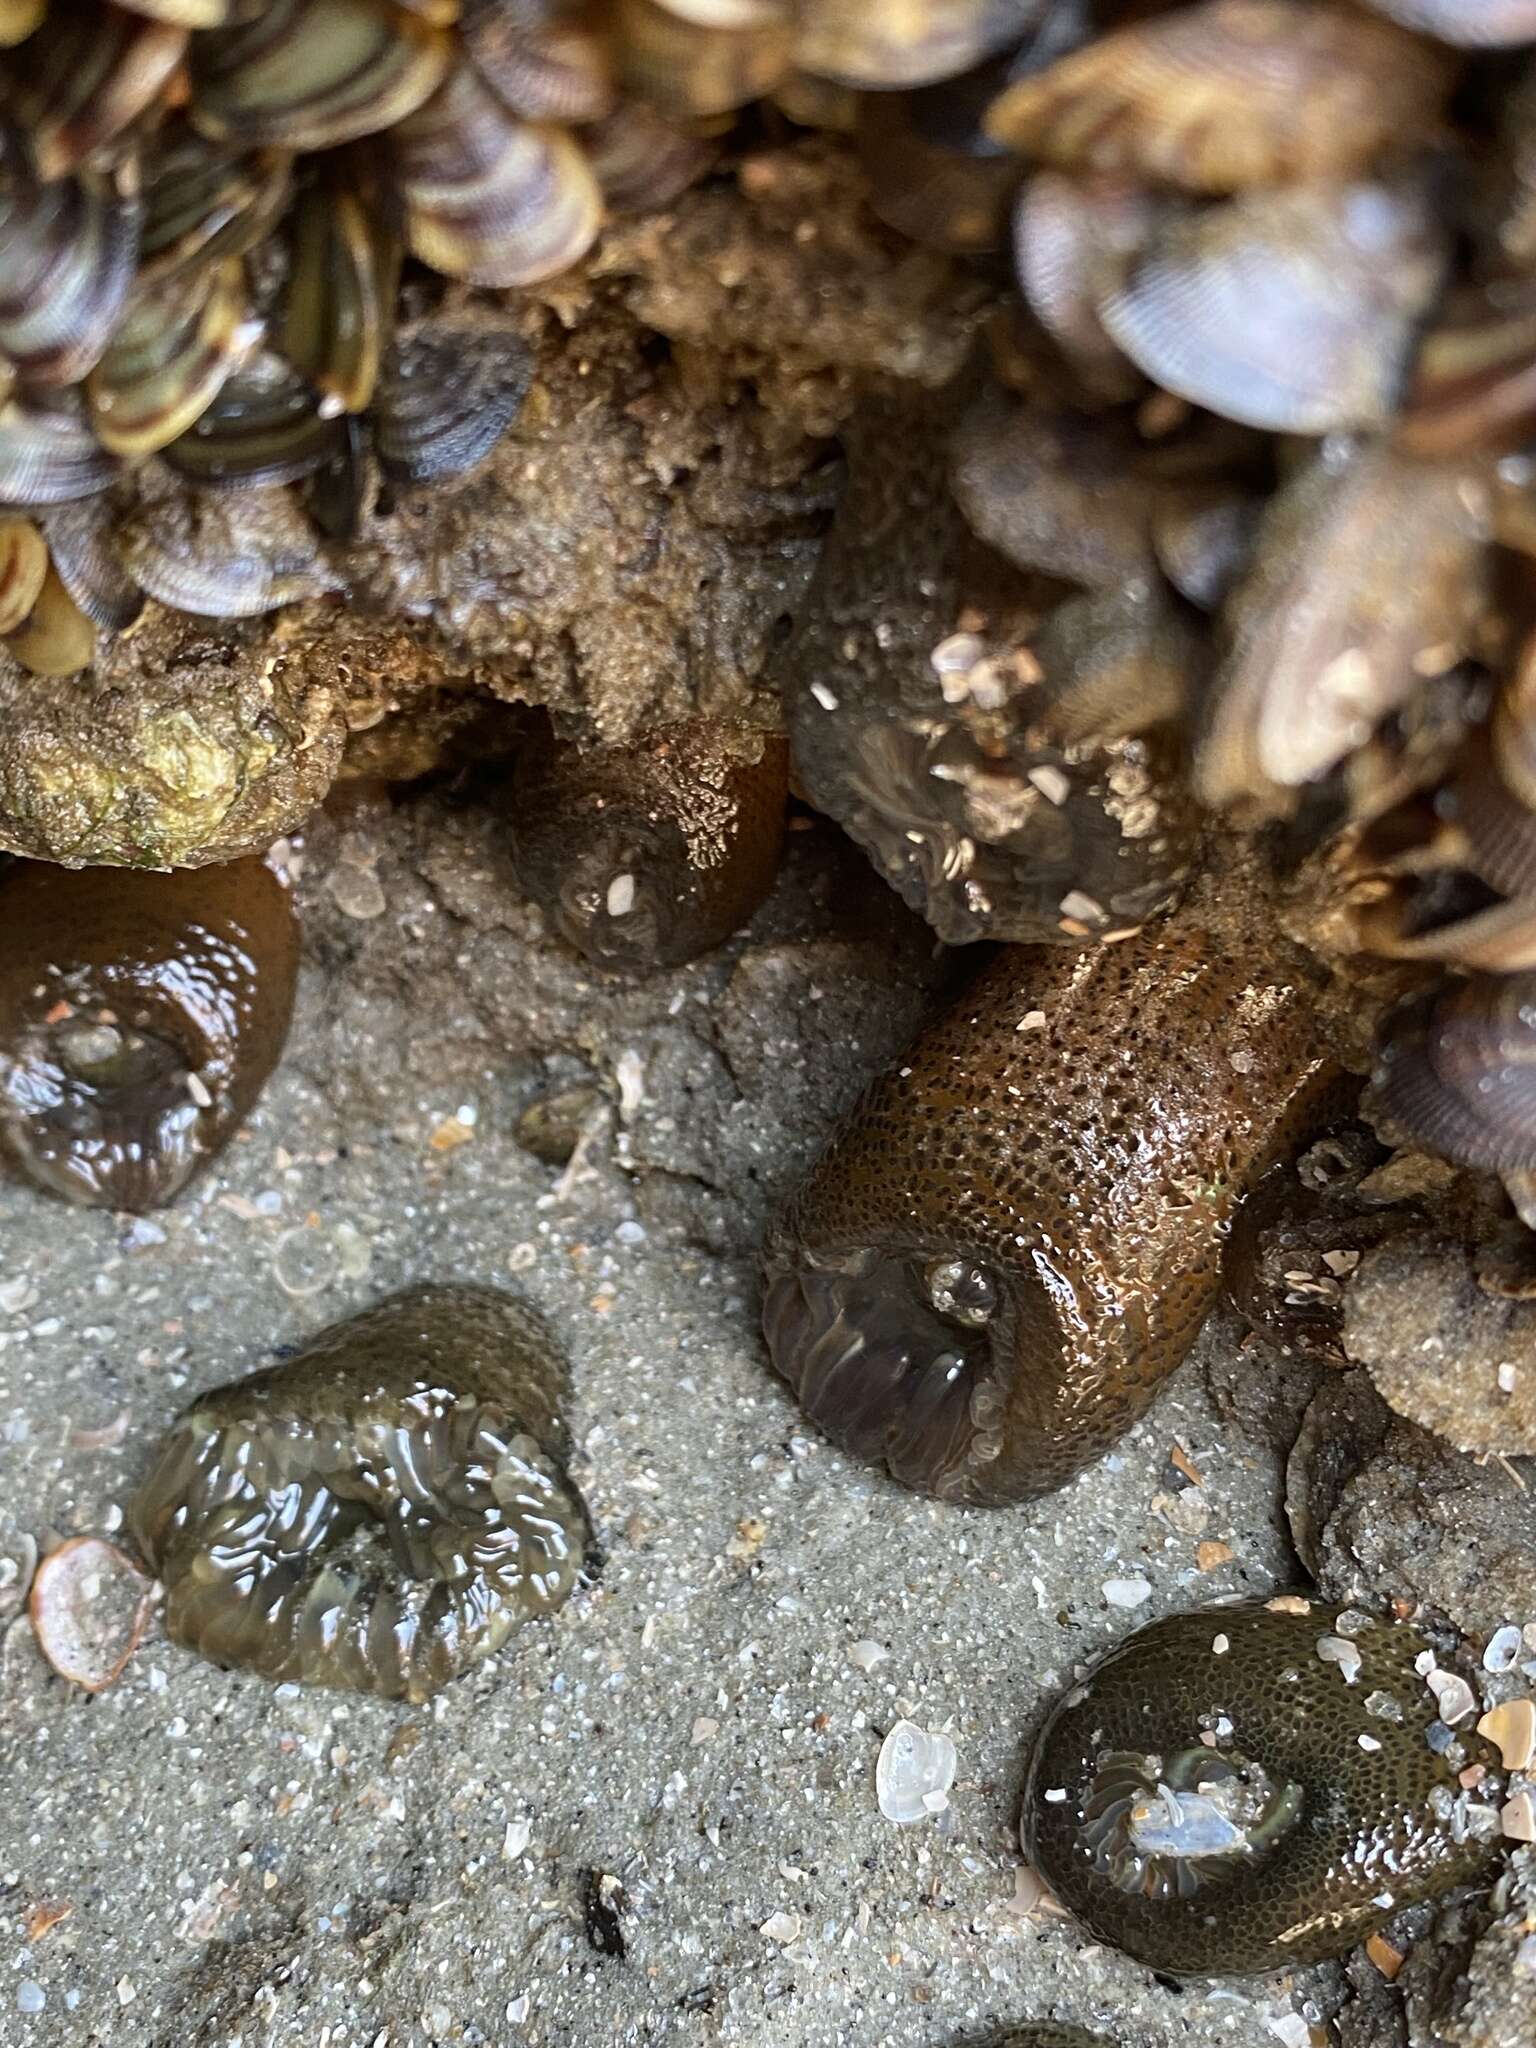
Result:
914,1774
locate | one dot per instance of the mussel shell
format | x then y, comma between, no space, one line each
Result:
311,74
1203,535
1458,1071
1229,95
878,45
56,639
226,555
641,161
23,565
66,263
336,494
169,359
204,202
1073,241
1474,24
1290,309
540,62
48,455
1474,379
184,13
934,175
90,568
489,198
692,72
84,78
264,427
341,294
445,400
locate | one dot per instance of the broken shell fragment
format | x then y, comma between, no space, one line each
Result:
89,1606
914,1773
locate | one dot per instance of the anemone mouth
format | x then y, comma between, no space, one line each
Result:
385,1556
1163,1827
106,1114
894,1355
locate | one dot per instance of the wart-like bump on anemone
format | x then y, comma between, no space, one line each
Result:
1016,1235
1217,1814
647,854
140,1016
380,1512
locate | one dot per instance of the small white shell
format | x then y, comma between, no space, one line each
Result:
914,1774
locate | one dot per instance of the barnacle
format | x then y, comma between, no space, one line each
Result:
1016,1235
644,855
1250,1787
140,1015
381,1511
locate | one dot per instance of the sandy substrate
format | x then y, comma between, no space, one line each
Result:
245,1865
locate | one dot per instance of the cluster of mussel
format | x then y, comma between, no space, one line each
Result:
1235,520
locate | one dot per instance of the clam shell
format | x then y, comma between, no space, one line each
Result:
48,455
692,72
310,74
1290,309
489,198
264,427
1229,95
204,202
227,555
1474,24
341,294
880,44
66,263
23,565
540,61
57,639
84,78
1473,384
169,359
80,541
1072,244
445,400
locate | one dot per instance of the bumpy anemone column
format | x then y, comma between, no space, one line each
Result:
1251,1787
1016,1236
140,1015
380,1512
644,855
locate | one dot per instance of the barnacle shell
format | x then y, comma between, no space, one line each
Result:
140,1015
169,358
1362,581
995,1263
1229,95
309,74
380,1512
489,197
66,262
1218,1796
1457,1071
644,855
85,77
1290,309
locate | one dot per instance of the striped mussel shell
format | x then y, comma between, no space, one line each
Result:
48,453
341,295
206,201
692,67
879,45
540,58
488,197
67,252
170,357
80,84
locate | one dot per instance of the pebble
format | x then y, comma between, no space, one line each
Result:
30,1995
1511,1728
782,1928
1338,1650
1127,1592
1517,1816
914,1773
